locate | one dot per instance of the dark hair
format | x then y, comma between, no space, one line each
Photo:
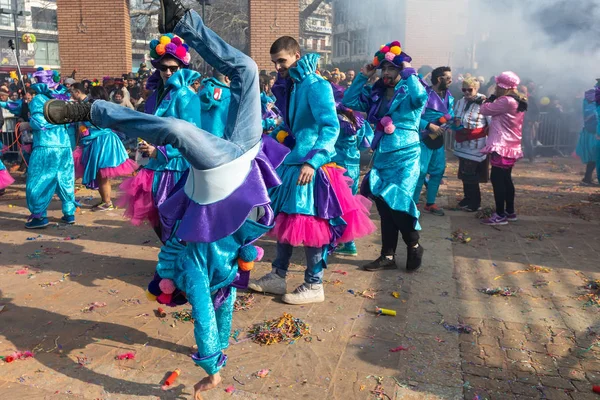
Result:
264,82
79,86
119,92
286,43
98,93
218,74
437,73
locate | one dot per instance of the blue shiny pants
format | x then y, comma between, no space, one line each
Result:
432,162
316,261
50,171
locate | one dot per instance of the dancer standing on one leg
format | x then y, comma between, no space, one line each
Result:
507,109
435,122
51,168
470,139
355,134
314,205
223,205
394,105
172,97
586,145
101,155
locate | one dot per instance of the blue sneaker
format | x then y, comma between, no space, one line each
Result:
347,249
68,219
37,223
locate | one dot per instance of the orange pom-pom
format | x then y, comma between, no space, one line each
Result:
281,135
443,120
396,50
160,49
245,265
375,61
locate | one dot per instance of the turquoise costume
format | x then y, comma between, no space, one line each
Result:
14,106
586,145
214,101
433,152
51,164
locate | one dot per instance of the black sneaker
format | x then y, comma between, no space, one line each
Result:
470,209
60,112
380,264
169,14
463,203
414,256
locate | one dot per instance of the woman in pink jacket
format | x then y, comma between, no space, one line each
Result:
507,108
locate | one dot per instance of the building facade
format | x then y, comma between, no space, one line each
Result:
316,32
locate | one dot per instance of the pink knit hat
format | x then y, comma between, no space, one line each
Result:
508,80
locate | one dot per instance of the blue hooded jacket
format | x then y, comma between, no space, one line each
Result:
178,101
214,100
308,107
404,109
45,134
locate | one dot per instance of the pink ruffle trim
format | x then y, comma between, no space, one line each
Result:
503,151
355,208
128,168
137,198
77,160
301,230
5,179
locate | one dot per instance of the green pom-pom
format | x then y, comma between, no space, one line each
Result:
154,54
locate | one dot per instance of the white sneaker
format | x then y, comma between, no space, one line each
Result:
270,283
305,293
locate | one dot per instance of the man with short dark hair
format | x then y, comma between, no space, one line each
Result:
435,123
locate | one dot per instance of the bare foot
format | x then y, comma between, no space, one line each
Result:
208,383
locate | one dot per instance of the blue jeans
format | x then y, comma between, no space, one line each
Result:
316,261
200,148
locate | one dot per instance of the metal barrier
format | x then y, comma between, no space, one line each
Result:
8,137
557,131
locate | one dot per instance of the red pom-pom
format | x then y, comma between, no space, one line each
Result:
164,298
180,52
385,49
177,41
395,43
9,359
167,286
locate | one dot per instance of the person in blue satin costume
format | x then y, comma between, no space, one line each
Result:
203,257
586,144
393,105
172,97
271,116
51,168
355,134
13,105
310,130
214,101
436,121
597,98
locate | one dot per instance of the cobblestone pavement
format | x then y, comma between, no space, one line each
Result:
540,343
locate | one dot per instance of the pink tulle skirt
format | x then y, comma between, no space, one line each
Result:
312,231
355,208
77,160
301,230
125,169
137,198
5,179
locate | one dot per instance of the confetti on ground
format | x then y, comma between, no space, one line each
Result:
92,306
235,335
183,315
460,236
540,283
538,236
285,328
244,302
82,360
263,373
502,291
460,328
23,271
131,301
18,355
397,349
531,268
395,294
439,340
64,278
339,271
230,389
125,356
484,213
113,292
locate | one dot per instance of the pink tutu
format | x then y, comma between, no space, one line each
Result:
355,208
26,148
5,179
128,168
301,230
137,198
77,160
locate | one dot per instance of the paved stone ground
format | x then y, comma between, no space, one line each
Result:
540,343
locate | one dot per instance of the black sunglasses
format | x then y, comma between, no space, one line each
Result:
465,90
164,68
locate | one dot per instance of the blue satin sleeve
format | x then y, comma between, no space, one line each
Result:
356,95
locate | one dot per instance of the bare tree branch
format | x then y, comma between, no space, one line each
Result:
309,9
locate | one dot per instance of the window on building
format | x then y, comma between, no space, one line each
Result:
301,41
315,44
5,20
359,44
46,53
5,4
340,15
341,46
323,44
44,18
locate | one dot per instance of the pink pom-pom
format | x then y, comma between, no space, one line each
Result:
177,41
167,286
164,298
389,56
395,43
389,129
180,52
385,49
261,253
187,58
171,48
388,125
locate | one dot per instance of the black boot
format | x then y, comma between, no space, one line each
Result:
169,14
414,256
60,112
381,263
